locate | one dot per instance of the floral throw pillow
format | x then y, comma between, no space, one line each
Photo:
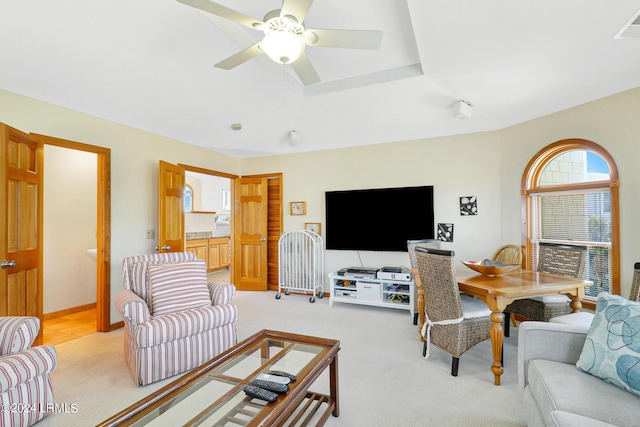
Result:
612,348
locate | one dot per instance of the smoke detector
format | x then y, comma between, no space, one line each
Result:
462,110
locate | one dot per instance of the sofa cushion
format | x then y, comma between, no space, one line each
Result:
178,287
558,386
567,419
612,348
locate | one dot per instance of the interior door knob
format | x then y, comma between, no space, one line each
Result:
166,247
263,239
7,264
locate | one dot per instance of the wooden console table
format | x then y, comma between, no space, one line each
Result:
213,393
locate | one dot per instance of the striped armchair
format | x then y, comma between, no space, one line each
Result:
25,382
174,320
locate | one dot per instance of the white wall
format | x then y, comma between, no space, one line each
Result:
69,228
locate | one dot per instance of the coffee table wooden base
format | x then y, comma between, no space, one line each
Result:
213,394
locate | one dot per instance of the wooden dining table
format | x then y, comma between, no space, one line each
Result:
500,290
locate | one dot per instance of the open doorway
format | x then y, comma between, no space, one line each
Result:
273,221
208,221
76,254
69,244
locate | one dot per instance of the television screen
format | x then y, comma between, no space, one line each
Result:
380,219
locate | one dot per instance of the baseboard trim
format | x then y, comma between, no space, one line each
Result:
116,325
68,311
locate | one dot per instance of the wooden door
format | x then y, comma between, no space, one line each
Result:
250,237
170,208
21,160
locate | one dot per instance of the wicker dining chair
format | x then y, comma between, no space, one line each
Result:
454,323
560,259
508,254
411,248
584,318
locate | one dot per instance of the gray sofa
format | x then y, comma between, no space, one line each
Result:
555,392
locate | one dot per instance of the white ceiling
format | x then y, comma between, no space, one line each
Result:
149,64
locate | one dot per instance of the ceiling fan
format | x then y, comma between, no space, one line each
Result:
285,36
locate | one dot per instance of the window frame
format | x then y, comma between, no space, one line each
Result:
529,186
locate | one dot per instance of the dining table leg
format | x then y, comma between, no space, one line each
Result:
497,337
576,303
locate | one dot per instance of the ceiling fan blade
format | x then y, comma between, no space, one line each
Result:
350,39
240,57
305,71
224,12
297,8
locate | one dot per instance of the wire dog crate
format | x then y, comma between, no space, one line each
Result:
301,264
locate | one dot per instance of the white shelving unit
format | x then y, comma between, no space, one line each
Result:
374,292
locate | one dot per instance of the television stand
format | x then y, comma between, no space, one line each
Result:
386,293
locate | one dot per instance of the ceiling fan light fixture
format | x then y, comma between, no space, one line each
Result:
283,47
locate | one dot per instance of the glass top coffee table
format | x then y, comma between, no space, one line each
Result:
213,394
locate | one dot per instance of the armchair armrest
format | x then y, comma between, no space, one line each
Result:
19,368
17,333
549,341
132,308
221,293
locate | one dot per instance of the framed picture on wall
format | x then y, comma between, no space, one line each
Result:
313,226
298,208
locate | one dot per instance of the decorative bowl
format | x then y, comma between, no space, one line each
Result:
490,268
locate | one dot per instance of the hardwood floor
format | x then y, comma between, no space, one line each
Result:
69,327
72,326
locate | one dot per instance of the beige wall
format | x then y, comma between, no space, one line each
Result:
134,168
488,165
467,165
611,122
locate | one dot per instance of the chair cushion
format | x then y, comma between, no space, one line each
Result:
190,323
560,386
473,307
178,287
551,299
612,348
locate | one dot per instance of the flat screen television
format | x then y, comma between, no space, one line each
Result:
379,219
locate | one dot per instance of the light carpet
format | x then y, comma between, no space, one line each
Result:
383,378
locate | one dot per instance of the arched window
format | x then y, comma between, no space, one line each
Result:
570,195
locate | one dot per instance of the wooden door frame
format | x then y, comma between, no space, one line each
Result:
103,227
232,177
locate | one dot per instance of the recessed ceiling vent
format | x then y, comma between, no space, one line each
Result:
630,30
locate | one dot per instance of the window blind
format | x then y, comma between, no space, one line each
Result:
579,218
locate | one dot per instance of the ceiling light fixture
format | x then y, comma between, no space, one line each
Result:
283,38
